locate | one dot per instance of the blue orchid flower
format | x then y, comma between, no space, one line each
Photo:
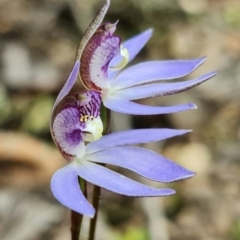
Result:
76,120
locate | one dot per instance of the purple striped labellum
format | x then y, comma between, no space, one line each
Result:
99,51
76,119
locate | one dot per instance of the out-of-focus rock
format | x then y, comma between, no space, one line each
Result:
20,72
16,65
45,76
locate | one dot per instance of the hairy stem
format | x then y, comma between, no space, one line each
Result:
76,218
106,116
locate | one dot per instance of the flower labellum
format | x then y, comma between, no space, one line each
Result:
76,119
99,51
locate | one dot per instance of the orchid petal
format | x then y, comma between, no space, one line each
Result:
133,46
136,43
67,131
160,89
68,84
115,182
142,161
155,71
66,190
95,60
128,107
133,137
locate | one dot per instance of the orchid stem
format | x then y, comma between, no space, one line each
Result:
107,126
93,222
106,116
76,218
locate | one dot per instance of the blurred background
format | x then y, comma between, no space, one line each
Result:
38,42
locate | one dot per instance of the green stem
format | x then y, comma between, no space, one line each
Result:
93,222
106,117
76,218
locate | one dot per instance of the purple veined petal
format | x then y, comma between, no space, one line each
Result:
101,48
89,103
67,131
160,89
128,107
66,190
133,137
68,84
142,161
151,71
134,46
115,182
